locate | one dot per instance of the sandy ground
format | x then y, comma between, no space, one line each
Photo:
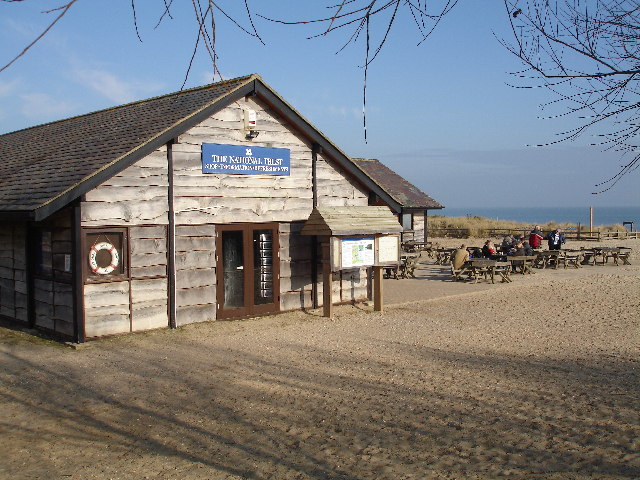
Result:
537,379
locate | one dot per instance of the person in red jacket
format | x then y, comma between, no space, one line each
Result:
535,237
488,249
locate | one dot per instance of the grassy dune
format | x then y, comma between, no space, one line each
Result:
480,226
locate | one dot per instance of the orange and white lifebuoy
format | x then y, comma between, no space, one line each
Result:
93,260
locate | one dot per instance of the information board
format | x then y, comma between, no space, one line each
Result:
357,252
245,159
388,249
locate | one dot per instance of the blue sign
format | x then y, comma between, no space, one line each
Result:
245,160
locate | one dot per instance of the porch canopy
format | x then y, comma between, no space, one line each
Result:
345,221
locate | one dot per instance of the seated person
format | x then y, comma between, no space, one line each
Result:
528,251
476,253
488,249
460,256
516,241
518,251
507,242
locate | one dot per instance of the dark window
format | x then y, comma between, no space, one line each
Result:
407,221
44,253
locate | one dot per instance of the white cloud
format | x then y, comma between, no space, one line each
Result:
339,111
42,107
107,85
207,77
344,111
8,88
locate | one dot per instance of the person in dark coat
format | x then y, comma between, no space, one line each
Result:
528,251
556,239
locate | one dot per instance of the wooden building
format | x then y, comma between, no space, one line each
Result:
177,209
414,203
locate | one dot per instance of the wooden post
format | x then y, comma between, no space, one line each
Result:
78,279
590,219
378,304
327,277
426,227
171,243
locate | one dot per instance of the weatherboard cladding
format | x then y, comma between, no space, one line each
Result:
405,193
40,163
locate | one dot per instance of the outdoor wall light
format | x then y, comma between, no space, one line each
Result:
251,134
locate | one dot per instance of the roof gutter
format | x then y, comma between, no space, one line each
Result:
17,216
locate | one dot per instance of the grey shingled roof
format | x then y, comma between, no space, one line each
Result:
405,193
42,163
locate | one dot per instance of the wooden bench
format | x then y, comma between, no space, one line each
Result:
624,254
408,266
456,274
572,258
503,269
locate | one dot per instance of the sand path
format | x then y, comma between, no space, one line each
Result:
534,379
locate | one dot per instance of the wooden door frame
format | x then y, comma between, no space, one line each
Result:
249,309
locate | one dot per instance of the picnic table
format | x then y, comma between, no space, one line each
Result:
523,263
406,267
572,258
609,252
591,255
443,255
483,267
411,246
548,257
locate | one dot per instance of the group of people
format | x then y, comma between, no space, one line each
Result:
555,238
512,246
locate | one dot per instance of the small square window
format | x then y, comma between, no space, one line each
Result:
106,254
407,221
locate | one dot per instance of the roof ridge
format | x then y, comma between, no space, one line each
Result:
139,102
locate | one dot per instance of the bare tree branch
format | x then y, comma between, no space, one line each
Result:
360,15
587,53
63,11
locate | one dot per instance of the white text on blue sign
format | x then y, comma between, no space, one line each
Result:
244,160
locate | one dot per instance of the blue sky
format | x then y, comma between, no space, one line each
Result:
441,114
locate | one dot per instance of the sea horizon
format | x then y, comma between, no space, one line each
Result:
542,215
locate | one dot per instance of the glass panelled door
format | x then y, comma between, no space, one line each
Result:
233,269
247,268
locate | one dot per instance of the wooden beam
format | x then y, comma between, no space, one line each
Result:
327,277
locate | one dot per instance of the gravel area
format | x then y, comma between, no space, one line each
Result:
537,379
